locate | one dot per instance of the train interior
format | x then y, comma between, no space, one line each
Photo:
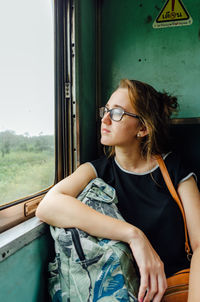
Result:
114,39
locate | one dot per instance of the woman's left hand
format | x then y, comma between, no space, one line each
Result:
153,281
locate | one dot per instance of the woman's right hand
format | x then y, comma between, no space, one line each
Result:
153,281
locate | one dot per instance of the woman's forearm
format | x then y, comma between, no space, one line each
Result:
194,290
65,211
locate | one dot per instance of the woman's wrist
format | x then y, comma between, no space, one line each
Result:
132,234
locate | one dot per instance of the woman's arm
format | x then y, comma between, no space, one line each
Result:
190,196
61,208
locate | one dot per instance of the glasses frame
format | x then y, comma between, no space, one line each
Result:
106,110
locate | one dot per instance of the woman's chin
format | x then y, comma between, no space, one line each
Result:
105,142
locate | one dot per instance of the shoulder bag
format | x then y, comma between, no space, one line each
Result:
178,284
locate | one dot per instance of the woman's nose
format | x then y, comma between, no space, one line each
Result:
106,118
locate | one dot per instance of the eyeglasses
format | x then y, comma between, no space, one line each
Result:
116,114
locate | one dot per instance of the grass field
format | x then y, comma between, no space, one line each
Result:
24,173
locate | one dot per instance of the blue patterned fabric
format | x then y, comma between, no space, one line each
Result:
90,269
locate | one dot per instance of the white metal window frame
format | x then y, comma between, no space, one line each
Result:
17,237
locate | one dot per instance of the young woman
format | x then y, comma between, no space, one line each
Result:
135,125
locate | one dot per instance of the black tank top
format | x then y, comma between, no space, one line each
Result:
145,202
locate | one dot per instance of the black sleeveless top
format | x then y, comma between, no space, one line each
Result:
145,202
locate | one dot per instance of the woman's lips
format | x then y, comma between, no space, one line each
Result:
104,130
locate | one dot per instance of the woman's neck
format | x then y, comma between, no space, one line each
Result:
133,161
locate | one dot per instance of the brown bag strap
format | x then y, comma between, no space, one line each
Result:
175,196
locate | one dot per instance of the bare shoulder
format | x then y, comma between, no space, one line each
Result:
189,194
190,197
77,181
188,189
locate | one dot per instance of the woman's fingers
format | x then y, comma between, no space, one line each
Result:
162,285
153,289
148,287
144,285
152,274
152,284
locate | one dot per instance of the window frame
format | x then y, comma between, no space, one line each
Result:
66,155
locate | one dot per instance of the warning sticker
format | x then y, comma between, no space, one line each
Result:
173,14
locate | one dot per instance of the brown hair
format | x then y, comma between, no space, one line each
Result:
154,109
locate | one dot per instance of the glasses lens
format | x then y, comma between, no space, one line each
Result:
116,114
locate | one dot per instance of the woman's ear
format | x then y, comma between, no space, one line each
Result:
143,131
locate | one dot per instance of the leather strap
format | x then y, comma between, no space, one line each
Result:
175,196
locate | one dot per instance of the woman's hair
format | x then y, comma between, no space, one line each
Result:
154,109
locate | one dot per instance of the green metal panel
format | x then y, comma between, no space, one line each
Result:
23,276
167,58
86,76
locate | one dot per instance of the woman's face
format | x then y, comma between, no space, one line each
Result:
124,132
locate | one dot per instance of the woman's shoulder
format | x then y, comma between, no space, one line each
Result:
174,161
103,167
103,159
171,158
102,162
177,168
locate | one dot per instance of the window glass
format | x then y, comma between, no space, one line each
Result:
26,98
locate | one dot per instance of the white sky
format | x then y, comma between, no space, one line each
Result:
26,66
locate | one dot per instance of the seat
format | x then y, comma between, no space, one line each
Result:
185,135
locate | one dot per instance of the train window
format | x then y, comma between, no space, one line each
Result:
26,98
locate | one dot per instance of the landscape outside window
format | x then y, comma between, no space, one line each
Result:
26,98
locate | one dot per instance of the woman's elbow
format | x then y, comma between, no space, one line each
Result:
40,212
44,210
54,209
196,246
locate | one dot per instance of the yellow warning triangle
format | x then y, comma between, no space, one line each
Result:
173,10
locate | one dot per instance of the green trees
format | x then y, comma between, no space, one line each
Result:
27,164
9,141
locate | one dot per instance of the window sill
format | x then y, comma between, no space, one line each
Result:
17,237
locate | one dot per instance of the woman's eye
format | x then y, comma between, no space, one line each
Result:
117,111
